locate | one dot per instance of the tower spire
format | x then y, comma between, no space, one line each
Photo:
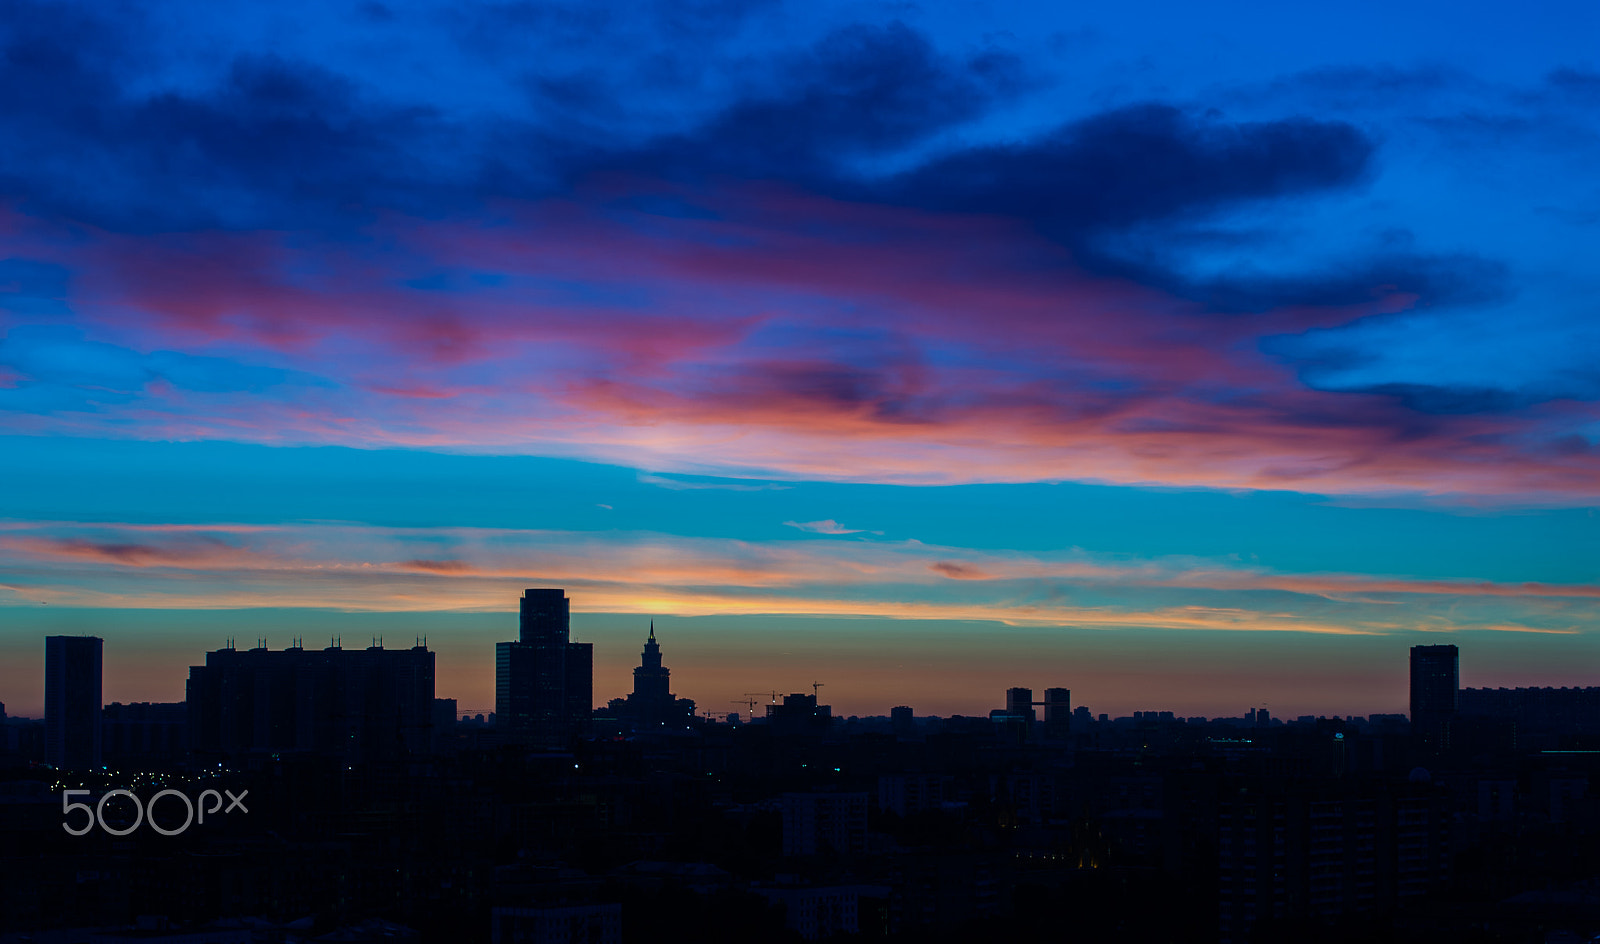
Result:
652,631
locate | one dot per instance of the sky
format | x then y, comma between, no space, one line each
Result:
1191,359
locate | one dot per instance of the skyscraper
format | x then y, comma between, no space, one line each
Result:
650,705
1019,703
72,701
544,682
1435,694
1057,712
650,678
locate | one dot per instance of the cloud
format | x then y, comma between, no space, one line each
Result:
859,91
362,567
841,258
826,526
680,485
1139,163
190,551
59,356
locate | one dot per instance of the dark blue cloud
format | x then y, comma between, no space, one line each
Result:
284,144
32,287
1146,162
1443,400
859,92
60,358
1435,279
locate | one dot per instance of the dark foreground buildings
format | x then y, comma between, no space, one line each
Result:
543,682
801,825
72,701
360,706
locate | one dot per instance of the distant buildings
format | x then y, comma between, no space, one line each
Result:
72,701
799,715
1014,723
1435,681
544,682
904,722
358,705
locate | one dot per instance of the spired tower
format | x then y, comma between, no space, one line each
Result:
651,707
651,679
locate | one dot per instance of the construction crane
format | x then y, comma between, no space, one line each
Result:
772,695
814,687
749,703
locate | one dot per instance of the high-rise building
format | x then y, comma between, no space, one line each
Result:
544,682
1019,702
72,701
650,677
1057,706
651,706
357,705
1435,695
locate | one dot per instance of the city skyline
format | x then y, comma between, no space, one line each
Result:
555,626
1193,361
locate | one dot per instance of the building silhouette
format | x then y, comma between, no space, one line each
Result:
651,705
799,715
1435,695
72,701
544,682
356,705
144,734
1556,711
1019,703
1057,710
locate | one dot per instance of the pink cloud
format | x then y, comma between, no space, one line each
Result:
826,526
973,350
